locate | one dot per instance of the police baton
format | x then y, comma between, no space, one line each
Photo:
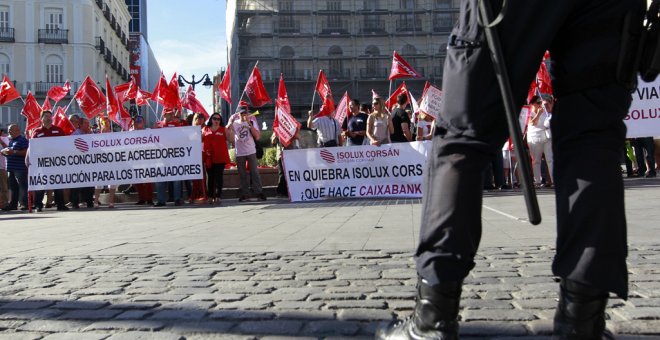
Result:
485,15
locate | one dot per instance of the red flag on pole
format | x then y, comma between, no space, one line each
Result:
401,68
323,89
90,98
255,89
225,86
284,125
542,83
342,108
191,103
31,111
402,89
62,121
111,103
126,91
46,106
174,98
58,93
7,91
167,94
142,97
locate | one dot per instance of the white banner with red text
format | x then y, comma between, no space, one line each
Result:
643,118
392,170
144,156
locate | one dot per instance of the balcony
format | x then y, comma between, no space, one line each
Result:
409,25
106,11
100,45
372,26
7,34
293,74
53,36
107,56
99,3
373,72
114,63
334,27
286,27
338,74
42,88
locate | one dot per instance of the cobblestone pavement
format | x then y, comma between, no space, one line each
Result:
281,295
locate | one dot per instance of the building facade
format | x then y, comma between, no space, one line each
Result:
352,41
44,43
143,64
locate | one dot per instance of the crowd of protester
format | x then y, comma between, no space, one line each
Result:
365,124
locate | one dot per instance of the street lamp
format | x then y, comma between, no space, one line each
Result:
205,78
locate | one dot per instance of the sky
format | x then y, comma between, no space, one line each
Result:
188,37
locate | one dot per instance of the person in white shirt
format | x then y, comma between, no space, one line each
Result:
243,130
537,139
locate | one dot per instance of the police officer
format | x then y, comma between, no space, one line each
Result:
584,38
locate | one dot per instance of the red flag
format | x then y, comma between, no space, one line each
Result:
402,89
8,91
167,94
31,109
255,89
225,86
401,68
111,103
58,93
142,97
542,83
62,121
191,103
90,98
126,91
284,125
323,89
342,108
46,106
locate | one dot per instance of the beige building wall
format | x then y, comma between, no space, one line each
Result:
43,43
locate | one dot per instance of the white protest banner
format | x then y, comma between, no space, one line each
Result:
154,155
643,118
286,127
391,170
431,102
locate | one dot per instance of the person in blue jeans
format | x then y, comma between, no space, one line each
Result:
18,182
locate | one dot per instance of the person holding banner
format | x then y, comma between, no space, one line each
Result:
379,123
586,40
47,129
145,191
85,194
105,127
216,156
15,152
170,119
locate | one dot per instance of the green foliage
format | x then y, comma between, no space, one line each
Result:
269,158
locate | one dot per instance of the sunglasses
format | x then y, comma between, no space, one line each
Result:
215,118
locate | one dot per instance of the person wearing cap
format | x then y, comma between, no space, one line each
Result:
170,119
245,132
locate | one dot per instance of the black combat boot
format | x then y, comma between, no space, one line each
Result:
435,315
580,313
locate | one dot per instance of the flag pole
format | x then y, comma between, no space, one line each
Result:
389,94
243,93
314,92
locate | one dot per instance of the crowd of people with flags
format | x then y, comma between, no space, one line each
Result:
397,118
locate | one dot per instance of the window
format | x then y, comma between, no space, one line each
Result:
336,66
4,17
372,51
333,5
285,5
54,18
54,69
408,49
334,21
407,4
4,65
442,4
286,63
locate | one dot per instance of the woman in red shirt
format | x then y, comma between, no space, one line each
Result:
216,155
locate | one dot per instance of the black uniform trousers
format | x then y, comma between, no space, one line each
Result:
587,129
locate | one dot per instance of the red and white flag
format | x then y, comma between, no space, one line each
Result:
343,110
167,94
431,102
225,85
142,97
126,91
32,111
46,105
284,125
323,89
58,93
116,111
255,89
90,98
401,68
191,103
542,83
7,91
402,89
62,121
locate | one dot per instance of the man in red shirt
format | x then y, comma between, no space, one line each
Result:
47,129
170,119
